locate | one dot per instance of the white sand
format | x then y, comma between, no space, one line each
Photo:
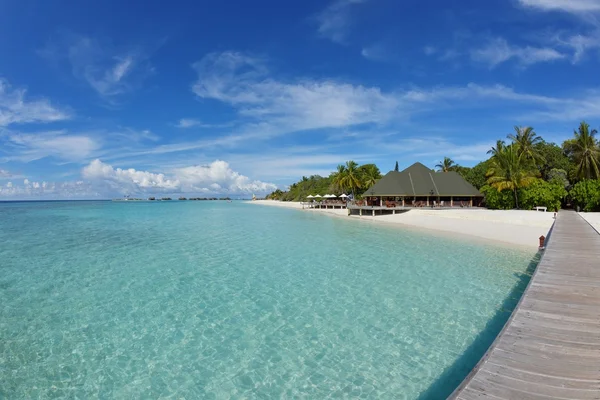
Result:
514,227
593,219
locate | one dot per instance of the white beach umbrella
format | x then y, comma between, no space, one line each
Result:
310,196
343,195
318,196
333,196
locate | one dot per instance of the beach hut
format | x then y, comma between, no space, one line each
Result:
420,186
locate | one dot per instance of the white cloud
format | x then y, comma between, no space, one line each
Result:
48,190
216,177
429,50
110,82
570,6
16,109
220,177
433,148
128,180
532,107
335,20
188,123
4,174
109,70
243,82
498,51
196,123
376,52
26,147
579,44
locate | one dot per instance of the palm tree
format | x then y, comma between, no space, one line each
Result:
352,177
339,177
526,140
509,170
500,145
447,165
370,175
396,167
584,150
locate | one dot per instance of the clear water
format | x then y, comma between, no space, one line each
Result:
232,300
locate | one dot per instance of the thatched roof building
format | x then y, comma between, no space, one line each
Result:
419,183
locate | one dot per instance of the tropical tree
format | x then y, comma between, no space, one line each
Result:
509,170
584,151
396,167
352,178
500,145
554,158
476,175
370,174
446,165
338,177
527,140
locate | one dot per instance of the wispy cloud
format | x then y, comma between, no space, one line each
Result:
16,109
111,71
429,50
188,123
196,123
498,51
288,106
334,22
48,190
71,147
579,44
570,6
376,52
26,147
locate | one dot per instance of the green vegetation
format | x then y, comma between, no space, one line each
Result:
586,195
524,173
446,165
348,178
510,169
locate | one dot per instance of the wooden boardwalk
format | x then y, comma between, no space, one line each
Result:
550,347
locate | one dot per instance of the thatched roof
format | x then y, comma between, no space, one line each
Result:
418,180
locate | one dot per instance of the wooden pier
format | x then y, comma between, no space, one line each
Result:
550,347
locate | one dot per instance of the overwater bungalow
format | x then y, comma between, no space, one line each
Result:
418,186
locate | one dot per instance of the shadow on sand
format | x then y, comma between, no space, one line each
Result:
456,373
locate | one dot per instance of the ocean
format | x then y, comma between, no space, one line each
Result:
218,300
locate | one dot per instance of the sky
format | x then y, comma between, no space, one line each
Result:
105,99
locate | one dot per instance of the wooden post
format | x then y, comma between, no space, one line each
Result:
360,212
427,201
471,202
373,212
451,201
394,211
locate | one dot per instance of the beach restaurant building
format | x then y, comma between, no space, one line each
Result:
419,186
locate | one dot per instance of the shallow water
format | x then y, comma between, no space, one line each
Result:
231,300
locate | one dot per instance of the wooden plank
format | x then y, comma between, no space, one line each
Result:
550,347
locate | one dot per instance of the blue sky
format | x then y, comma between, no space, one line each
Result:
99,99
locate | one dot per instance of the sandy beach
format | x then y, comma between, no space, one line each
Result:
593,219
515,227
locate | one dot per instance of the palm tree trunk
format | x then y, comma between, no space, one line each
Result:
516,198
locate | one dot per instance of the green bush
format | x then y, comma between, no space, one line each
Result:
586,195
495,200
542,194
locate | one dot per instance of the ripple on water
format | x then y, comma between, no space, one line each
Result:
227,300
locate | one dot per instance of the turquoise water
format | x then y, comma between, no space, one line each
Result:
233,300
